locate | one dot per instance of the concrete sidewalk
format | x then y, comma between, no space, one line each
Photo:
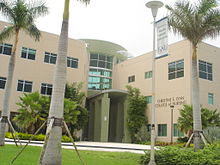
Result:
95,146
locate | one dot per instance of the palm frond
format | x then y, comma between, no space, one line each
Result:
205,5
180,18
37,9
195,22
6,33
211,25
85,1
33,31
6,9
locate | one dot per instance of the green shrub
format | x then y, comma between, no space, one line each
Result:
182,139
65,139
39,137
210,155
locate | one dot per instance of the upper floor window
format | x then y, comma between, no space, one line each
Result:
131,79
72,62
46,89
148,75
2,82
5,49
176,69
162,129
50,58
210,98
205,70
101,61
24,86
28,53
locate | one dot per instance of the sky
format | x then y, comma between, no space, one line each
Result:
124,22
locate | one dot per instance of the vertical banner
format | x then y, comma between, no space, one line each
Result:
162,37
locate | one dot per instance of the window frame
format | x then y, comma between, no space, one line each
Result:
174,70
148,74
71,61
160,130
47,88
27,54
101,61
25,85
204,70
3,47
176,131
3,80
50,56
149,99
211,98
131,79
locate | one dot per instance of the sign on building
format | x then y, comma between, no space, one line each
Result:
162,37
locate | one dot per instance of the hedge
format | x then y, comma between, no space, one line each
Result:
171,155
39,137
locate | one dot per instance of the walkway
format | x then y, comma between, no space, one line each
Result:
95,146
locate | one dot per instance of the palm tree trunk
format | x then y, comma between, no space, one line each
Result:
197,122
6,101
52,154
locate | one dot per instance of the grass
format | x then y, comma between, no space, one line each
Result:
31,154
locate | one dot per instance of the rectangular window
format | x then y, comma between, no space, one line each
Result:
72,62
176,69
162,129
148,127
131,79
205,70
24,86
2,82
149,99
28,53
210,98
5,49
177,132
50,58
148,75
46,89
101,61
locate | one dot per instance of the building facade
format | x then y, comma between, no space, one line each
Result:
105,70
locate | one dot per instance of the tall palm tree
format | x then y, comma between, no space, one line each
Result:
21,16
51,153
195,22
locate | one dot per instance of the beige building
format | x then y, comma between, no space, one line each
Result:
35,63
105,71
173,82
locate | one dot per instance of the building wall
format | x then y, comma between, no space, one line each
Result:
37,70
170,92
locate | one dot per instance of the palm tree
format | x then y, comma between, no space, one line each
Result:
210,118
195,23
51,153
32,112
21,16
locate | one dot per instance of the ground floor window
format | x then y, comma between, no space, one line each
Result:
210,98
149,99
176,131
162,129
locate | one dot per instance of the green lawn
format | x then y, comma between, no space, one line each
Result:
31,154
